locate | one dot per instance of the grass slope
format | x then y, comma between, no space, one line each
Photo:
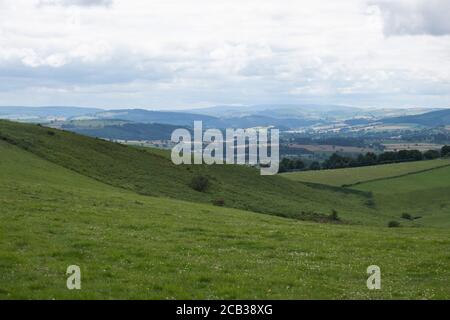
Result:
424,194
420,189
134,246
352,176
150,172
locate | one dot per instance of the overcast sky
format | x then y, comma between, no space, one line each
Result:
166,54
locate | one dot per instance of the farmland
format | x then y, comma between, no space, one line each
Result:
423,194
412,146
351,176
330,148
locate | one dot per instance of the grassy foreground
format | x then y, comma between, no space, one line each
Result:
135,246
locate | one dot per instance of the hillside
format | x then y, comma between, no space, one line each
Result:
418,189
131,246
422,194
150,172
430,119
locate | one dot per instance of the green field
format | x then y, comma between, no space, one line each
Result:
145,240
423,194
420,189
352,176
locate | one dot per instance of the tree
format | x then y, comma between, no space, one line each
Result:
299,164
416,155
199,183
409,155
445,151
336,161
389,156
314,166
287,164
431,154
368,159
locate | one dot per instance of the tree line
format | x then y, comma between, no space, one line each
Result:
336,161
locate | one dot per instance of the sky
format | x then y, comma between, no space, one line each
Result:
175,54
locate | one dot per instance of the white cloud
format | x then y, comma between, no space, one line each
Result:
415,17
81,3
174,53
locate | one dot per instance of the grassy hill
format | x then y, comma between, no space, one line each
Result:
352,176
150,172
418,189
136,246
423,194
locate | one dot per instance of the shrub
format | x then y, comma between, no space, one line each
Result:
334,216
50,133
407,216
370,203
393,224
219,202
199,183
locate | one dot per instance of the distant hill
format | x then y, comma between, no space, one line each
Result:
36,114
187,119
166,117
284,117
306,111
430,119
265,121
127,131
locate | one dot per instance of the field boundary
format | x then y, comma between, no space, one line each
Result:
321,186
394,177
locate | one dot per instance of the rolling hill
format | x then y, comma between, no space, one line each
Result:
187,119
424,195
151,172
125,131
430,119
165,117
418,189
43,114
132,246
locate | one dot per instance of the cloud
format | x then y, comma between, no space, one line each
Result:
76,3
415,17
175,53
